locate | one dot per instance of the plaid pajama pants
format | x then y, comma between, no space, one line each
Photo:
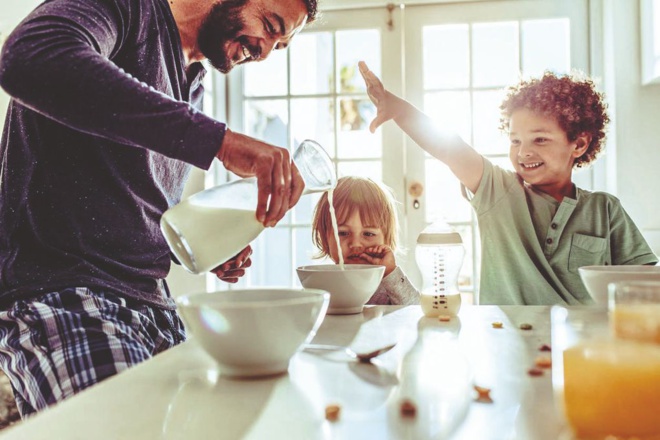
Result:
58,344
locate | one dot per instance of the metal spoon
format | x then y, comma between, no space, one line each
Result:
361,357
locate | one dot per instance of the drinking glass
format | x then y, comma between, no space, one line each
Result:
635,310
605,387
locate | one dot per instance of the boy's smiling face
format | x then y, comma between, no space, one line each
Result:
542,154
354,238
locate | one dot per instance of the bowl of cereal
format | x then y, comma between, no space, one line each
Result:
596,278
350,287
253,332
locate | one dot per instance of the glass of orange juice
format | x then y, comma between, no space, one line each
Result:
605,387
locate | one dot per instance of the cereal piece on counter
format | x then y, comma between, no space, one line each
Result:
483,395
535,372
444,318
525,326
545,347
332,412
498,324
408,408
543,362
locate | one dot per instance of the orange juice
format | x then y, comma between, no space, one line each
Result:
637,321
612,387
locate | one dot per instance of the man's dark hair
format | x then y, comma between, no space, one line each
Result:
312,10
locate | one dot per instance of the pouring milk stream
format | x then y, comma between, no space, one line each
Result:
211,226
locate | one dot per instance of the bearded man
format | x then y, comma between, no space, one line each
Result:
102,130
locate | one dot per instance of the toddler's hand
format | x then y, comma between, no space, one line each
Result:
381,255
234,268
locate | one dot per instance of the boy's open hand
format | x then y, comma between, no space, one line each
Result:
378,95
381,255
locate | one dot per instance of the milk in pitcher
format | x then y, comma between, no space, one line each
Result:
213,232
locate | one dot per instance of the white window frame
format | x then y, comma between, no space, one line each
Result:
650,41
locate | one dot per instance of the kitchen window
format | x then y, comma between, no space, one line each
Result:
453,60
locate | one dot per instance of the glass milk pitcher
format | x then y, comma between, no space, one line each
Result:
211,226
439,254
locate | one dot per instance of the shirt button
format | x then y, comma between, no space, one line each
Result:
549,241
553,226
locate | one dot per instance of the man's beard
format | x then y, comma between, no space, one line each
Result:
222,25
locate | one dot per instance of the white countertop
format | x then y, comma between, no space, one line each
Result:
179,395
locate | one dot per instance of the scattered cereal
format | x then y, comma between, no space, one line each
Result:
444,318
483,394
545,347
332,412
497,324
408,408
525,326
535,372
543,362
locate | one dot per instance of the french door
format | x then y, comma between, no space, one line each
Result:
452,60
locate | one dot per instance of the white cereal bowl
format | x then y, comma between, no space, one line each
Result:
350,288
596,278
253,332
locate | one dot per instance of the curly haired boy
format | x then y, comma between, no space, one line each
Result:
537,228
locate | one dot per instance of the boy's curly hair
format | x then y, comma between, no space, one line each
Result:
572,100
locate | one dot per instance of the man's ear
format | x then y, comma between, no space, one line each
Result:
581,144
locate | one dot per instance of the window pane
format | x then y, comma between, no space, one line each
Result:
443,194
545,46
354,46
354,138
446,56
450,111
305,207
355,114
311,65
271,259
495,54
488,139
371,169
313,118
305,249
266,78
267,120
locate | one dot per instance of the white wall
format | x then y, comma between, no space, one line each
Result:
637,119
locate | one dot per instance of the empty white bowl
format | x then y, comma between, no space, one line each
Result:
349,289
596,278
253,332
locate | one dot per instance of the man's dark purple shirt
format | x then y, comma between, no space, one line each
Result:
101,132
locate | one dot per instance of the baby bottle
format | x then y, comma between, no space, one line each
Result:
211,226
439,254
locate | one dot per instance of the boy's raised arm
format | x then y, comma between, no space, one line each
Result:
462,159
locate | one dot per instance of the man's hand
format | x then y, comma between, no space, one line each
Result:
380,255
278,180
234,268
